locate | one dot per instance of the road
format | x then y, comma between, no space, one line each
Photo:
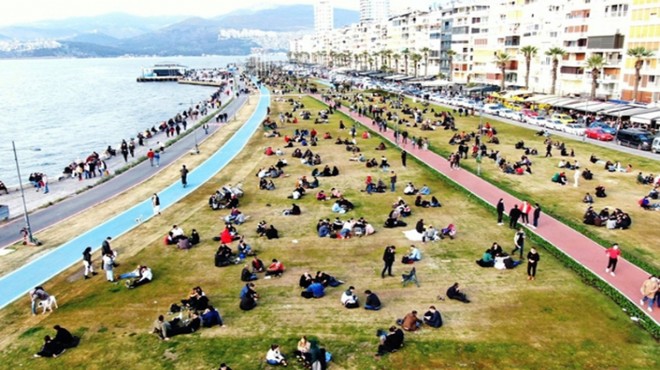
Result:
49,216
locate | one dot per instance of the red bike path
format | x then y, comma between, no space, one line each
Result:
586,252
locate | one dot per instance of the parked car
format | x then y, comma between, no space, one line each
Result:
635,138
655,147
574,128
554,124
598,134
492,108
563,118
537,121
604,126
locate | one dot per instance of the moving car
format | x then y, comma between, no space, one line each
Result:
598,134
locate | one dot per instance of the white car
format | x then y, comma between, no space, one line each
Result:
574,128
505,113
554,124
492,108
537,121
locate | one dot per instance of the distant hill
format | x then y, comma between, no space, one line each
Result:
119,34
283,18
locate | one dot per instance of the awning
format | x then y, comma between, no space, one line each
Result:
633,112
617,108
566,103
646,118
436,83
537,98
393,77
601,107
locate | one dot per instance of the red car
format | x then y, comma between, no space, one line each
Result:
598,134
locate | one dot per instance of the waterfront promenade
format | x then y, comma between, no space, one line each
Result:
38,271
70,196
578,247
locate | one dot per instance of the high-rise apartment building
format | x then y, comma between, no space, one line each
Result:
374,10
323,16
643,31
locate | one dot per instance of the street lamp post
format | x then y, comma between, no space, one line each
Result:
28,228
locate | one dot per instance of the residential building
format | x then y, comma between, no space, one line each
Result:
323,16
643,31
374,10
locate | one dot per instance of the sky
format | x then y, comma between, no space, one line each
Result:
26,11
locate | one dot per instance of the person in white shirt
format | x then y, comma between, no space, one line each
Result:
349,299
145,277
274,357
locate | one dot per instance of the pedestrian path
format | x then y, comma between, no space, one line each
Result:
586,252
20,281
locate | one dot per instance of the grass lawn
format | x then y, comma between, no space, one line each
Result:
553,322
563,201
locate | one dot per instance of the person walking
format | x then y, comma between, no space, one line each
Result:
525,208
87,262
404,156
388,258
157,157
500,211
533,259
613,254
392,181
155,203
514,215
519,242
44,181
537,214
576,177
548,149
648,290
150,155
108,266
184,176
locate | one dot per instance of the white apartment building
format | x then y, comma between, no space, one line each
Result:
323,16
374,10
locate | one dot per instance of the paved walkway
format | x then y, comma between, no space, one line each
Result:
18,282
63,193
583,250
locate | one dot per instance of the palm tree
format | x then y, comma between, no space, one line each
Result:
450,56
371,63
405,53
365,58
528,51
555,53
387,53
356,60
595,63
640,54
415,59
396,61
375,56
425,51
501,60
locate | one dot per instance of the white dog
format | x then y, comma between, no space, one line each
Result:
48,304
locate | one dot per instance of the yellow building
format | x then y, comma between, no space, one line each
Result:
644,32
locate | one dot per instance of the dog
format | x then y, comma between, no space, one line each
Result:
48,304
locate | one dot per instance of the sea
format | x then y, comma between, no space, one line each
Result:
60,110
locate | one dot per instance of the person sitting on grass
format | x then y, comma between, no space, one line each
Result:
257,265
433,318
410,189
559,178
372,301
321,195
587,175
486,260
425,190
305,280
50,348
391,342
146,275
162,328
196,301
419,202
247,275
504,262
588,199
455,293
337,208
314,290
224,256
449,231
275,357
293,211
65,338
248,297
184,243
435,202
430,234
211,317
410,322
600,191
272,233
349,299
413,255
276,269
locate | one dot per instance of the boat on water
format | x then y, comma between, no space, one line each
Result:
163,72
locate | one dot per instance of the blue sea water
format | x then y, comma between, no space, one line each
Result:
60,110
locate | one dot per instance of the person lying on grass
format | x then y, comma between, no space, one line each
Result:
146,275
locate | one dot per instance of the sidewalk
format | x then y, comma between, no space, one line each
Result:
583,250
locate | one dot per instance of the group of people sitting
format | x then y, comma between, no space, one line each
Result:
411,322
344,229
62,341
326,171
371,187
314,287
617,219
140,276
421,202
429,233
225,197
200,313
177,237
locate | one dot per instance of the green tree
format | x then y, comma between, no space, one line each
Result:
415,59
640,54
396,61
501,60
425,52
528,51
406,54
555,53
595,63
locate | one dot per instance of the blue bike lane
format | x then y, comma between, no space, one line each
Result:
36,272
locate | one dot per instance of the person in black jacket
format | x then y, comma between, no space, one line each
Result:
433,318
514,215
454,293
50,348
372,302
533,259
500,211
388,258
65,338
391,342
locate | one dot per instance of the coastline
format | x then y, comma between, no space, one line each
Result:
62,188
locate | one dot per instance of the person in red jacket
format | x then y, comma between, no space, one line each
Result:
613,254
525,209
